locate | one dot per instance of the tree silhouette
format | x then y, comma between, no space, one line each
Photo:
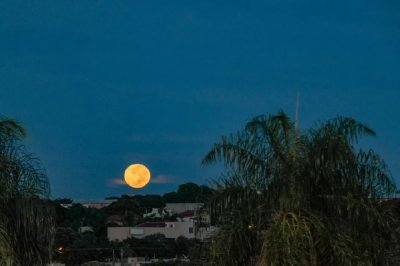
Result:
294,197
26,218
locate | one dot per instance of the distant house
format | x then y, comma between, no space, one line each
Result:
187,216
156,213
97,204
169,229
182,207
152,224
116,219
184,226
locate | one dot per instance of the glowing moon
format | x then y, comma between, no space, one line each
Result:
137,175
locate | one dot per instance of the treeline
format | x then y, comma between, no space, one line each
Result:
72,246
288,197
131,208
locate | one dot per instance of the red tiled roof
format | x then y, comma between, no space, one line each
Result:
189,213
151,224
115,218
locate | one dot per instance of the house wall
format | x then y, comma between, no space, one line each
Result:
118,233
181,207
172,230
154,212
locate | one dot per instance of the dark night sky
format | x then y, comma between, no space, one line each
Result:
102,84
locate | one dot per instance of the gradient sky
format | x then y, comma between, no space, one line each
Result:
103,84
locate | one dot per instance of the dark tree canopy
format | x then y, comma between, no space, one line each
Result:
300,197
188,192
26,217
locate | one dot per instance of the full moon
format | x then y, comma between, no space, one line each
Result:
137,175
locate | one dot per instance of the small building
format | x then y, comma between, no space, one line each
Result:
156,213
169,229
115,219
182,207
187,216
97,204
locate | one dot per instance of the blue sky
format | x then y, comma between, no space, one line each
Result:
103,84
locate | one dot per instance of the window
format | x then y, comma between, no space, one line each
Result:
190,230
136,231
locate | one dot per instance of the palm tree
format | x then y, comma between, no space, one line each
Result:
293,197
26,218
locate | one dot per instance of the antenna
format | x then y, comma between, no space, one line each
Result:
296,115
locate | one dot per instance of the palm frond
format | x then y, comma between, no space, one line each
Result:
26,219
310,194
288,241
346,127
11,128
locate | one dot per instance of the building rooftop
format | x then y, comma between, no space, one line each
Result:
152,224
185,214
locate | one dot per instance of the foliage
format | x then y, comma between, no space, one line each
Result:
158,246
72,248
78,215
170,263
79,247
128,207
150,201
26,218
64,240
188,192
292,197
63,201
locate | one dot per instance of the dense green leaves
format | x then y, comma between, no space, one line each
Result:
129,208
309,196
26,218
188,192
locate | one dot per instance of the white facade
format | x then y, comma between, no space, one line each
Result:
84,229
181,207
170,230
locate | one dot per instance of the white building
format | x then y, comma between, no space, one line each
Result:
184,226
182,207
169,229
